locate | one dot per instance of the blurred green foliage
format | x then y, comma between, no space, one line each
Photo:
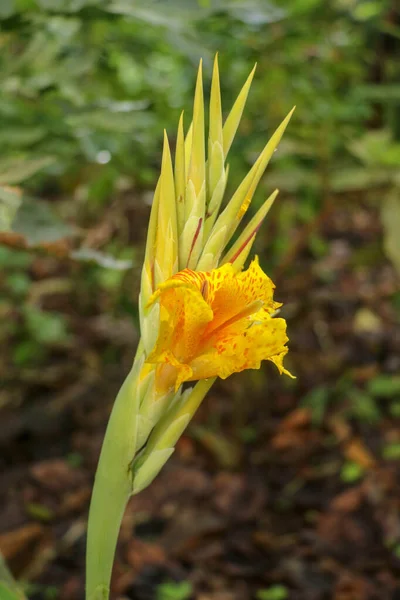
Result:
88,86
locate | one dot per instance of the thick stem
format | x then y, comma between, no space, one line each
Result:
112,488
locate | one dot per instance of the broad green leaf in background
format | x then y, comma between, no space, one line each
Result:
39,224
391,226
385,386
7,9
377,148
10,201
14,171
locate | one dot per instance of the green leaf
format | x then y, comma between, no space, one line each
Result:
8,594
10,201
275,592
384,386
174,591
380,93
36,221
351,472
392,451
317,400
391,226
14,171
149,468
7,9
364,406
45,327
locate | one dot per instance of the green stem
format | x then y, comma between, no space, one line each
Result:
112,489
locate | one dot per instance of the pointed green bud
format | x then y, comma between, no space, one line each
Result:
190,242
145,473
240,250
166,253
172,420
151,242
148,317
197,156
211,255
232,122
240,201
180,178
188,149
215,137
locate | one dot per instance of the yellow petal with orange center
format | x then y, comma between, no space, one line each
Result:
216,323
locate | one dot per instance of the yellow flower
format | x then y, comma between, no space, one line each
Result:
216,323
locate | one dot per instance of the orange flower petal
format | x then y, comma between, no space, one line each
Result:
216,323
234,353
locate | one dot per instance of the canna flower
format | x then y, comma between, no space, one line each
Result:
201,315
216,323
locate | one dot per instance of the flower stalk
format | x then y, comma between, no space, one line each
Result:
201,316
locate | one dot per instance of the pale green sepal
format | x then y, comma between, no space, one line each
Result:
207,262
216,166
190,201
150,469
190,242
232,122
146,288
145,425
217,184
215,203
188,149
158,273
172,434
170,252
187,405
210,256
145,386
149,326
155,406
191,238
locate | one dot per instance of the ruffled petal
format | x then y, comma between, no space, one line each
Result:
216,323
246,350
237,292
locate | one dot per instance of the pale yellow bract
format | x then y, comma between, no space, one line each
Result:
216,323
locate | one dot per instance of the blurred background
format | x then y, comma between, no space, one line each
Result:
280,489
